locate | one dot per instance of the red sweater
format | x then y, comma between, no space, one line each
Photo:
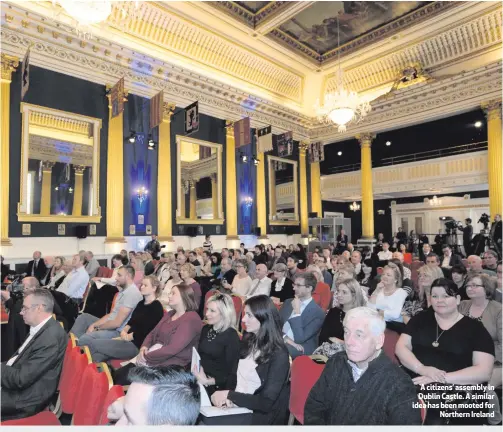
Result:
177,339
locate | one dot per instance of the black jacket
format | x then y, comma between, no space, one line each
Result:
467,234
29,384
40,271
149,268
383,395
270,401
285,293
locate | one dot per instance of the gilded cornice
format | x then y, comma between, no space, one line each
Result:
9,65
492,109
61,123
454,44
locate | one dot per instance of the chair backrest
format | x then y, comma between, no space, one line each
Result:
322,295
94,387
138,277
116,392
104,272
69,347
238,306
423,409
304,374
390,339
380,270
71,379
407,258
206,298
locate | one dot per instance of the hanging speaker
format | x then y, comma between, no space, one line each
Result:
81,231
257,231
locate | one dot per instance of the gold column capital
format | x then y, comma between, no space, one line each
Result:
9,65
492,109
109,87
303,145
365,139
229,126
48,166
168,109
192,183
79,169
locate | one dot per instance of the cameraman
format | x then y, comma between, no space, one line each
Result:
467,237
16,329
496,233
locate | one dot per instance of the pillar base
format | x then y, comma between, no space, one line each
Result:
166,239
115,240
232,237
366,241
304,236
6,242
263,237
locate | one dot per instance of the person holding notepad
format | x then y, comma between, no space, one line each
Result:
263,369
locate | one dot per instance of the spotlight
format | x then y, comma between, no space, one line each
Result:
478,124
255,160
339,153
388,143
151,143
56,188
244,158
70,190
132,137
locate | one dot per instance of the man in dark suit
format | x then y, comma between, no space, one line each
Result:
227,274
30,378
467,237
36,267
302,318
342,241
277,258
449,260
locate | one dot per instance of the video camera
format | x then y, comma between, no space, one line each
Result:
16,288
484,219
452,225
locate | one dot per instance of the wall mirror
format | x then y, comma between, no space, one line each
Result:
283,191
199,182
59,166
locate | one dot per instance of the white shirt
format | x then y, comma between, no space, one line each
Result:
260,286
287,329
391,305
31,335
385,255
248,380
75,283
445,262
279,284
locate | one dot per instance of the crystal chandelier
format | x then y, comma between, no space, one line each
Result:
342,105
354,207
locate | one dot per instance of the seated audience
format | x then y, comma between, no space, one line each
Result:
292,266
440,345
433,261
322,295
174,280
458,276
281,286
227,273
301,317
157,397
331,339
241,284
252,266
92,265
181,258
36,267
480,288
88,328
103,290
407,284
475,265
30,378
193,259
260,256
148,264
146,315
57,274
385,254
277,258
449,259
188,273
361,385
261,284
367,274
426,276
356,260
172,340
206,267
49,263
6,271
215,264
389,297
321,263
499,280
162,269
424,252
207,245
218,345
263,369
490,260
407,274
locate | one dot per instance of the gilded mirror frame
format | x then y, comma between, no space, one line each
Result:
219,148
54,116
295,190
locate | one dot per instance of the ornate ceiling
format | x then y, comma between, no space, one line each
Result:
272,60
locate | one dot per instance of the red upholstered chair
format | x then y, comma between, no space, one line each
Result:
238,306
116,392
390,339
322,295
116,363
423,409
4,315
44,418
407,258
304,374
104,272
95,384
206,298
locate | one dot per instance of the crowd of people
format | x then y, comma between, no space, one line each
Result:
335,303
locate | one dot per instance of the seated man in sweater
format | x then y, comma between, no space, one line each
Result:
301,317
361,386
88,327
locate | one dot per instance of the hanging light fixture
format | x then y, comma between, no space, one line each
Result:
341,106
354,207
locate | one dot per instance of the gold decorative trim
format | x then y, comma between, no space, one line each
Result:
180,221
272,189
23,217
286,223
60,123
9,65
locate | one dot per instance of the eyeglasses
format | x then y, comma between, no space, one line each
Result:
298,285
474,286
24,308
239,266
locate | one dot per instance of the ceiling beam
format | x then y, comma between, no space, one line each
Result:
287,13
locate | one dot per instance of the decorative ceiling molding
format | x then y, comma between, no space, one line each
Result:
53,150
61,123
454,44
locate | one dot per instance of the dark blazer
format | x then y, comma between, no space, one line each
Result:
455,260
29,384
273,261
286,292
305,327
40,271
270,401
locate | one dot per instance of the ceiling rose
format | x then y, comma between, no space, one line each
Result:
87,12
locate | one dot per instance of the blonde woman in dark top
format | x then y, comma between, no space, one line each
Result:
218,345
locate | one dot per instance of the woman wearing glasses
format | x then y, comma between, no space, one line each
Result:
218,346
263,369
281,287
480,289
440,345
242,281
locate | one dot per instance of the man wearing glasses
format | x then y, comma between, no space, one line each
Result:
302,318
30,377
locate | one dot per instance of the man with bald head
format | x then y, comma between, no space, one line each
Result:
261,284
36,267
475,265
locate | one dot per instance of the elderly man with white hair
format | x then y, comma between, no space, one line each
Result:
361,385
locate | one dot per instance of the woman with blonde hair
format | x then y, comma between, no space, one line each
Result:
58,273
218,345
349,296
188,273
174,279
426,276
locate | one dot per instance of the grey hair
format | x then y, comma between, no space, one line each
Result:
43,297
377,325
280,268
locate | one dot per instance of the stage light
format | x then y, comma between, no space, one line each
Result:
388,143
255,160
151,143
132,137
339,153
478,124
243,157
